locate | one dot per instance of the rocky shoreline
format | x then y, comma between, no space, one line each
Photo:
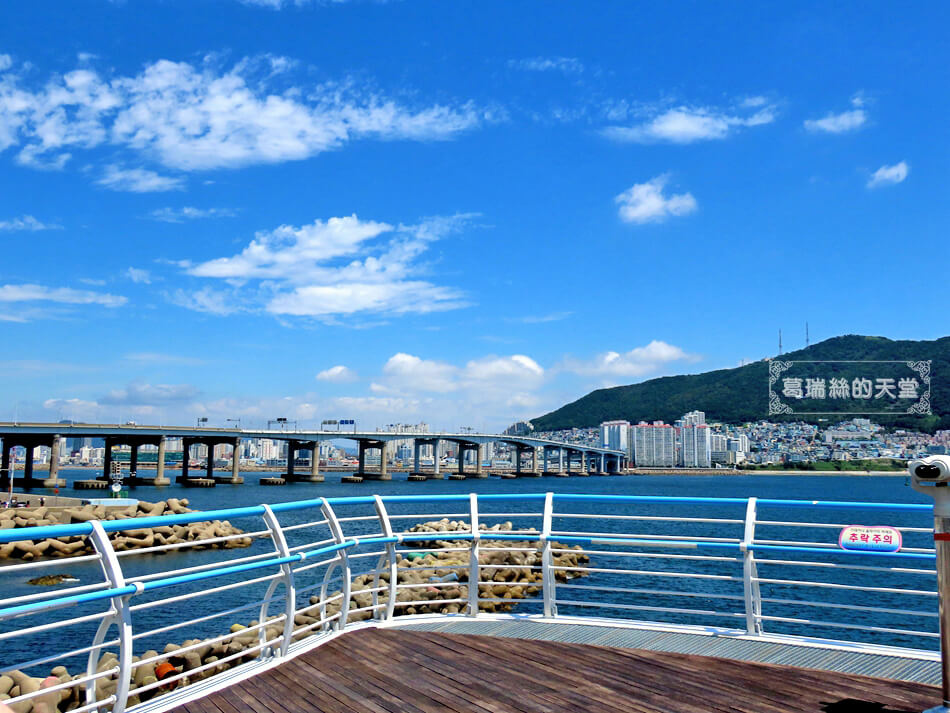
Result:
509,571
29,550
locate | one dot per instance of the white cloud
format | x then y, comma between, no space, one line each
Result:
139,276
543,318
838,123
138,180
410,373
337,374
66,295
567,65
190,117
889,175
686,124
150,395
645,202
341,266
27,222
163,359
637,362
180,215
208,300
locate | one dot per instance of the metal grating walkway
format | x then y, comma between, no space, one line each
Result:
814,657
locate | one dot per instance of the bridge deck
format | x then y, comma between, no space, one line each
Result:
396,671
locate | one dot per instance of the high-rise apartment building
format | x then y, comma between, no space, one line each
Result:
654,445
695,451
615,435
695,418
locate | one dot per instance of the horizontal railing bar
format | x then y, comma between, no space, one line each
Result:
444,516
650,573
647,555
835,526
639,607
190,543
667,592
55,657
202,567
841,625
660,518
58,562
98,616
203,592
855,607
302,525
199,620
839,565
854,587
56,593
647,536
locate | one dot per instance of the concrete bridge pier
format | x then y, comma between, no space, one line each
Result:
314,476
236,478
54,481
381,446
160,478
479,457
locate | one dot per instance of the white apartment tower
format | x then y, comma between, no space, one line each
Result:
654,445
695,451
615,435
695,418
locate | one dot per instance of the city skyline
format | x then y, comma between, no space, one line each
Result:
329,210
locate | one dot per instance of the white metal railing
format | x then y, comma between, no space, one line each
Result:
747,566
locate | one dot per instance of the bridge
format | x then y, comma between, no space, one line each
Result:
533,457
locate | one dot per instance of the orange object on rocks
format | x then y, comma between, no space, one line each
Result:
164,669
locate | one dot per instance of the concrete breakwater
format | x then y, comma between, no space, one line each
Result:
434,578
28,550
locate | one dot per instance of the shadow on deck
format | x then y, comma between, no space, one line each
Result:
396,671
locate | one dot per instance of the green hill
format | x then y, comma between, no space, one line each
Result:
740,395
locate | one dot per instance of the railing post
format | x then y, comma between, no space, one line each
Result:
750,585
337,532
387,530
290,591
121,616
474,575
548,582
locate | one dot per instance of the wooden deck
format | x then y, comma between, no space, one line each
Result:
393,671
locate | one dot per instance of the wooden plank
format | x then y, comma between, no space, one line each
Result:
396,671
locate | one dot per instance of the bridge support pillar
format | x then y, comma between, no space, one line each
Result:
54,481
209,462
134,464
517,452
479,457
436,447
291,458
383,458
315,476
160,478
462,450
236,478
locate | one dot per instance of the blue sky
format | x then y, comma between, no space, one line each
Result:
463,213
